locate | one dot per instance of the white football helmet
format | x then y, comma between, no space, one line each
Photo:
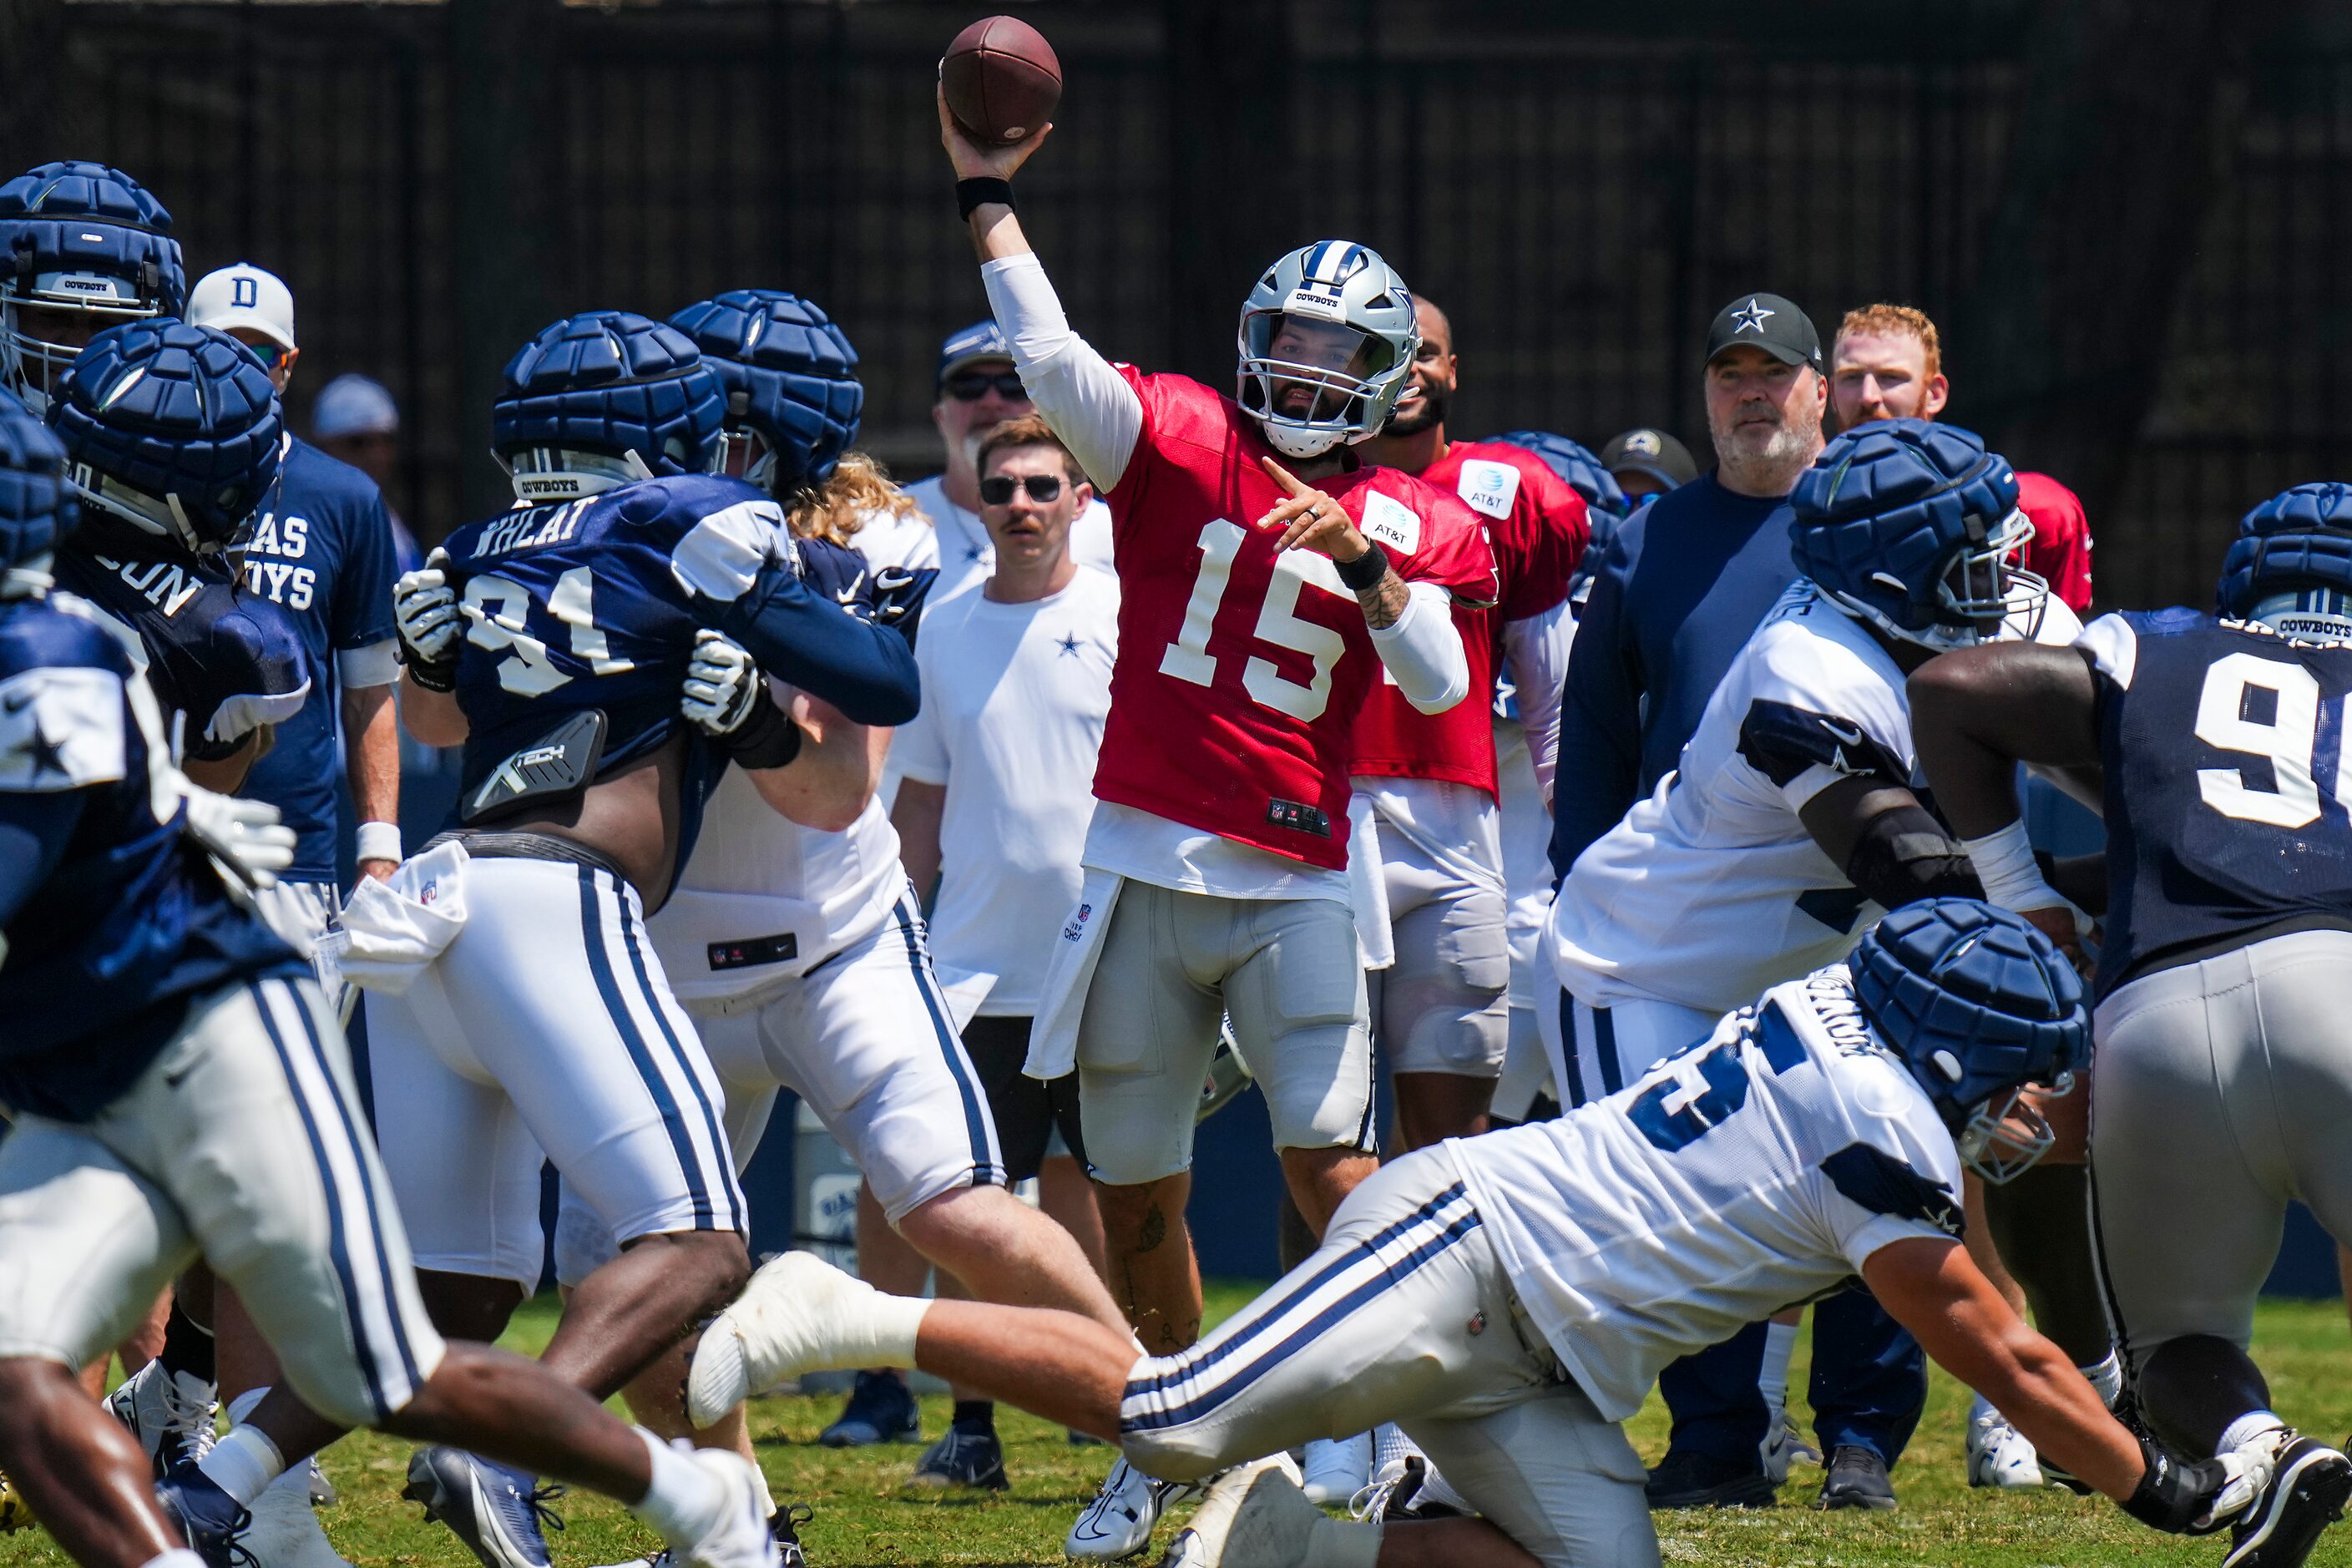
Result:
1327,344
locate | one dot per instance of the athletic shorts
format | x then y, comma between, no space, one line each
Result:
242,1142
545,1032
1404,1314
1440,1007
1284,970
866,1039
1593,1052
1028,1111
2224,1090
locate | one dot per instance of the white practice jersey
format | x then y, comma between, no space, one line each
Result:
1754,1170
763,899
964,553
1711,890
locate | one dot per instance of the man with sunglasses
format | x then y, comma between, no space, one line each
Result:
979,391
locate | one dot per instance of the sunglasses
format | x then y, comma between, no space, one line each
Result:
997,489
971,385
271,356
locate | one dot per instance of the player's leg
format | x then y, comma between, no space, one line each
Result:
1146,1034
1443,1023
253,1119
1298,1002
85,1243
1558,1480
1869,1387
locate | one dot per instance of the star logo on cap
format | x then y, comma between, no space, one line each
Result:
1750,317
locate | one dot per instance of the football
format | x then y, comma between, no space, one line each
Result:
1001,79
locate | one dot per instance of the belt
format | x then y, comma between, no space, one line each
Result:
484,846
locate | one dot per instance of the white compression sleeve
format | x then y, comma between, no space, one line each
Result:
1423,650
1535,648
1090,405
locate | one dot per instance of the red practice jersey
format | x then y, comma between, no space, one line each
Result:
1538,528
2061,551
1241,669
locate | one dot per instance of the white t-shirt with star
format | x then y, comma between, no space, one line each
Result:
960,547
1013,701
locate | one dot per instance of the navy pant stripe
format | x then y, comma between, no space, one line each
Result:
367,1188
1573,1089
721,1155
986,1167
1300,1290
599,964
338,1245
1238,1380
1604,1046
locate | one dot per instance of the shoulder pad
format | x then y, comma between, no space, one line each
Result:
61,729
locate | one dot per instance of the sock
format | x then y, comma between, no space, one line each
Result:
684,1500
242,1463
1979,1408
1342,1543
759,1488
975,1416
179,1557
2246,1428
1773,1377
884,1332
2107,1378
188,1346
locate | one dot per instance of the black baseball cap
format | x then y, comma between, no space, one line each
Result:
1644,450
1771,323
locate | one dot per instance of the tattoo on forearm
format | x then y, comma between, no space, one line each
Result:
1384,601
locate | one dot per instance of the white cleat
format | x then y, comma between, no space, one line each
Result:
172,1415
742,1537
1254,1517
1998,1454
285,1533
1337,1469
1118,1523
782,1323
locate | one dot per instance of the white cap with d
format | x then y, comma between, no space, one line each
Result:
243,296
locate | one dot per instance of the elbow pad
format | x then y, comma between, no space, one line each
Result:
1905,855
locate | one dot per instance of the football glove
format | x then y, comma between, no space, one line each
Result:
2199,1499
898,596
425,616
245,838
722,684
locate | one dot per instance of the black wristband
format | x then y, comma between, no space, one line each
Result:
2171,1497
1366,570
433,674
765,740
973,194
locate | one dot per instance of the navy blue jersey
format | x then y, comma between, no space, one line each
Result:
2227,784
592,604
115,920
226,661
322,551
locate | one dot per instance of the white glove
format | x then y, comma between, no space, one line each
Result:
245,838
425,614
722,684
2249,1475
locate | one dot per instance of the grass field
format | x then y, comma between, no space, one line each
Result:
863,1518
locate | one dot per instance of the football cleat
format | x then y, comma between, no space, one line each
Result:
1119,1521
1857,1479
2310,1483
501,1515
785,1523
1998,1454
1702,1480
212,1522
285,1533
1254,1517
170,1414
16,1513
881,1409
1337,1469
961,1458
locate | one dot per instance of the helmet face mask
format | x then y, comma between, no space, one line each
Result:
1325,345
2007,1135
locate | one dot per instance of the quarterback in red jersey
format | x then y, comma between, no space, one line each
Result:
1428,822
1267,578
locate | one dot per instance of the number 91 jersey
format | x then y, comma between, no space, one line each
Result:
2227,779
587,605
1241,668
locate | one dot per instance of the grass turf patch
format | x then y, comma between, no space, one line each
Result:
865,1515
